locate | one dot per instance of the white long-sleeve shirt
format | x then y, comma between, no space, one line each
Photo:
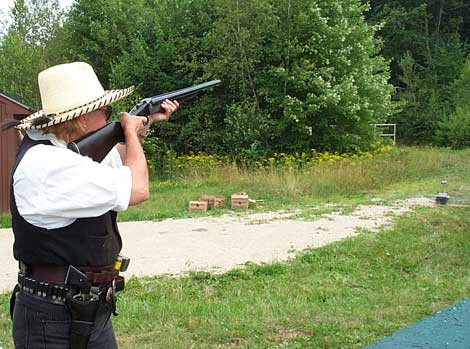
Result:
54,186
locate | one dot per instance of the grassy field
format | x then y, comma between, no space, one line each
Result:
398,174
344,295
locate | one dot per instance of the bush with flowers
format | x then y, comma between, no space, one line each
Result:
172,165
315,158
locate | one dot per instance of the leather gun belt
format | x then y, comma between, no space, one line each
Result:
52,274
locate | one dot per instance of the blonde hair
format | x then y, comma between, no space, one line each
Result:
67,131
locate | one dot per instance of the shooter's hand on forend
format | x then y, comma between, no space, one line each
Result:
169,107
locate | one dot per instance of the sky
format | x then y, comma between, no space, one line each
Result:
5,5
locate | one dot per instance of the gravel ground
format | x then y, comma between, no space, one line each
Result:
217,244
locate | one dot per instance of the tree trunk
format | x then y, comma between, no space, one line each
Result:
439,18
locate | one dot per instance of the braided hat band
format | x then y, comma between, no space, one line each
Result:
109,97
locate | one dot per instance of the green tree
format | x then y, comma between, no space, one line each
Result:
169,55
454,130
100,31
426,43
23,52
296,74
310,70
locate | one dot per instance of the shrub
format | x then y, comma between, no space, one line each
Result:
456,130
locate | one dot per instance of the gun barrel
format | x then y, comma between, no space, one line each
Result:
152,105
184,92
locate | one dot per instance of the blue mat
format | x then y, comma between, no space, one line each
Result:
446,329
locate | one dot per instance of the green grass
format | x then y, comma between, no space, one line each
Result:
345,295
5,220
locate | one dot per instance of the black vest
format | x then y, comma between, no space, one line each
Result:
87,242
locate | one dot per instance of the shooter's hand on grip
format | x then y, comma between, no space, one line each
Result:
132,125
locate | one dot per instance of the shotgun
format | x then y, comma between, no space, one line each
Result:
99,143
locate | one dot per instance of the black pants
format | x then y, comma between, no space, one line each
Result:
42,324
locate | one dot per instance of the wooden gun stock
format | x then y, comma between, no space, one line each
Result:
99,143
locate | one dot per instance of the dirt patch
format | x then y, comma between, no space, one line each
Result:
286,335
217,244
232,343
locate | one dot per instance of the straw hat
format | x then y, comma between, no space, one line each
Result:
68,91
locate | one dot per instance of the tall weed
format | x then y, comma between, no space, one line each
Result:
328,175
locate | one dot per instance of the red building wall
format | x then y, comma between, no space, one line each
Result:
9,141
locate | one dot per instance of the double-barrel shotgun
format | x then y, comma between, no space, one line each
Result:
99,143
